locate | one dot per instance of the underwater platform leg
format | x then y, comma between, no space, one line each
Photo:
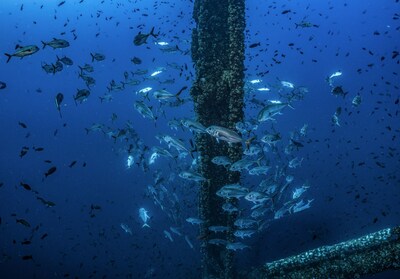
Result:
370,254
218,95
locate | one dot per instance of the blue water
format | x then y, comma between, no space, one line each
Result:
353,169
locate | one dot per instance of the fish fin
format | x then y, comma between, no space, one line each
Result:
44,44
145,225
92,57
152,33
8,57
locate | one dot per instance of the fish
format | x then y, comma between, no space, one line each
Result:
165,95
24,151
27,257
256,197
218,228
58,100
193,126
86,68
97,56
56,43
22,124
245,223
217,241
338,91
244,163
65,60
188,242
126,228
81,95
3,85
270,110
190,175
301,205
72,164
306,24
26,186
194,221
221,161
144,110
141,39
22,51
244,233
23,222
236,246
221,133
45,202
168,235
50,171
232,191
136,60
356,100
259,170
143,214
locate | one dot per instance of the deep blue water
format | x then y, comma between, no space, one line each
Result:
353,169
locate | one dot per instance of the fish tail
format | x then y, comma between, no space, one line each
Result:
152,33
145,225
92,57
8,57
44,44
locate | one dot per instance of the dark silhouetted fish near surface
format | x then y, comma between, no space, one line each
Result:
2,85
22,51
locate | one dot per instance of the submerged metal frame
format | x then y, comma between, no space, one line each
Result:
218,95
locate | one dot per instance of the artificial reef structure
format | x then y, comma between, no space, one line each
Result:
218,95
218,53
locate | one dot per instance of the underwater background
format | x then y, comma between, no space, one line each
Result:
69,203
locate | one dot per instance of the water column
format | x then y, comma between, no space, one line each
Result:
218,57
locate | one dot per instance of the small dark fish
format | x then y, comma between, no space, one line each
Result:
59,99
338,91
27,257
26,242
50,171
23,125
136,60
26,186
23,222
43,236
72,164
1,184
254,45
97,56
38,149
61,3
67,61
57,67
46,203
84,164
285,12
47,161
23,152
2,85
